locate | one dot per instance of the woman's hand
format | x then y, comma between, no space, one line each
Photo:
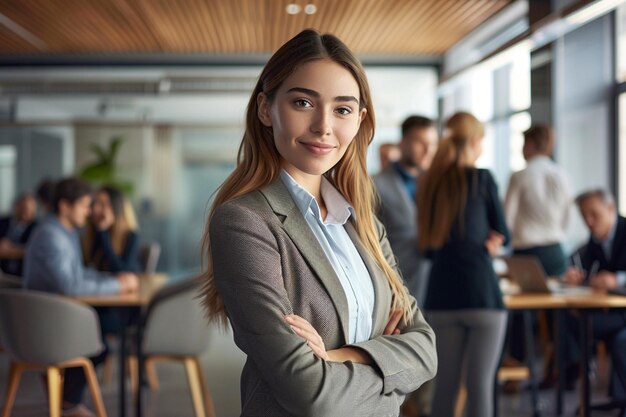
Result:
392,325
494,242
304,329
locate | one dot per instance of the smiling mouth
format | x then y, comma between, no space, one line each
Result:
318,148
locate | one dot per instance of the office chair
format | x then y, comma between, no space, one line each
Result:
149,253
52,333
175,329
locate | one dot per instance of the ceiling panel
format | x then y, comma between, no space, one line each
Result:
377,27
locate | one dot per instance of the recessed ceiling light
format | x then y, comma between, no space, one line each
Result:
293,8
310,9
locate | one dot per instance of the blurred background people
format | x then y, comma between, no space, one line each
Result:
461,223
15,231
601,263
45,195
111,241
388,153
396,185
537,206
53,263
537,203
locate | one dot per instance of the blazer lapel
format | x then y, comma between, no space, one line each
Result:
618,242
380,315
297,228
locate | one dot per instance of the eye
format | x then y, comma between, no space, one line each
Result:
302,103
344,111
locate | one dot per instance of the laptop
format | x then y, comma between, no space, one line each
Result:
529,274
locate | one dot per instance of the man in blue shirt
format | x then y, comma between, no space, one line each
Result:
53,263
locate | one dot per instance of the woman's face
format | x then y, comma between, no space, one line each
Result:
314,117
102,211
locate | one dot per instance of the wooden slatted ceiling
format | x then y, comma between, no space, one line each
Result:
394,27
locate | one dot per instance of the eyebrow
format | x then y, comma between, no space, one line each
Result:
317,95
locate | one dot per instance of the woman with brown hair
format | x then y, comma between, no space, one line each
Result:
461,225
297,261
111,241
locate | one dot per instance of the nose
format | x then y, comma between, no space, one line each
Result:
321,123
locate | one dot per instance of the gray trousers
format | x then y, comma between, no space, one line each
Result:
468,341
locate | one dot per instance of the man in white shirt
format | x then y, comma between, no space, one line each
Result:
538,202
536,207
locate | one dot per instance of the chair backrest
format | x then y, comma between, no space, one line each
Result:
175,323
45,328
149,253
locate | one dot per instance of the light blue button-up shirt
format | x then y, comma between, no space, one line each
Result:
54,263
340,251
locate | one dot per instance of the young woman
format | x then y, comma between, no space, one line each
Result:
296,259
461,224
111,242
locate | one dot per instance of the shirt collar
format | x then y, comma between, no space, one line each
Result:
403,172
538,159
339,210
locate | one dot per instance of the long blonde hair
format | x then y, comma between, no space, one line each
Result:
443,190
259,164
125,222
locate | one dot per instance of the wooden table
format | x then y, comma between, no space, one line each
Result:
585,304
129,306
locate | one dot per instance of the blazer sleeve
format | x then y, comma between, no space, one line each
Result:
495,212
409,359
247,270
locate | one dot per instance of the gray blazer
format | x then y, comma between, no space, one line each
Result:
399,215
267,264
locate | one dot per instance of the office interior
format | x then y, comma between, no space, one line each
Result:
171,81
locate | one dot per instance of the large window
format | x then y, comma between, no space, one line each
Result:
497,92
621,157
620,73
8,157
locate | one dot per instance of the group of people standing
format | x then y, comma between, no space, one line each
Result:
458,225
446,255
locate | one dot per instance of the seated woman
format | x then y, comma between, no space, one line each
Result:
111,241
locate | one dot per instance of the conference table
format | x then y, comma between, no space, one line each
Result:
586,305
129,306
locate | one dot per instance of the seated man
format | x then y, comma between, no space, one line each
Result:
53,263
603,258
15,230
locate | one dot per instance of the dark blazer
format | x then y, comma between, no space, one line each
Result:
268,263
462,274
14,266
593,251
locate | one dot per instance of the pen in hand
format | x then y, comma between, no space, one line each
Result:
593,270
